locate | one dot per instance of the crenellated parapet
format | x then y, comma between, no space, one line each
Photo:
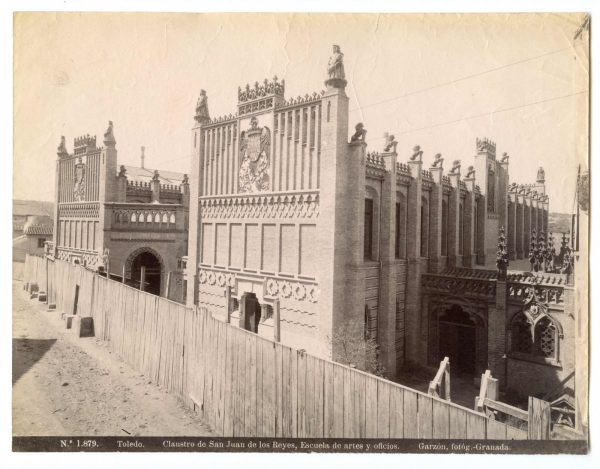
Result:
260,96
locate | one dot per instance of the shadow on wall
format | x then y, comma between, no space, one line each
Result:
26,353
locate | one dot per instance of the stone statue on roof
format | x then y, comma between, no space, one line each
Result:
335,66
202,108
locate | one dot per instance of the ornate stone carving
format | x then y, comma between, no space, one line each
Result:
505,158
485,145
79,181
335,69
455,167
417,153
61,151
255,147
260,91
122,171
541,175
390,143
360,133
438,161
470,173
109,137
269,206
202,115
502,255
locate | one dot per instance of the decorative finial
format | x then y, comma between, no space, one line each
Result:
390,142
504,158
122,171
360,133
437,161
109,137
186,179
156,176
455,167
61,151
417,153
335,69
470,173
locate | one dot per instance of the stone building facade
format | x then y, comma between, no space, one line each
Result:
130,222
295,231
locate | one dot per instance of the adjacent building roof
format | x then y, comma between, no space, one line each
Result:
38,230
135,173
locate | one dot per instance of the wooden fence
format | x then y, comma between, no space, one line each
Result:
245,385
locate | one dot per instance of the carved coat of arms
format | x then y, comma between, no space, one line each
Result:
255,146
79,187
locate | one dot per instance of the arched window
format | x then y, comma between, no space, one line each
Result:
149,218
491,191
545,338
521,334
400,243
133,218
539,341
172,218
157,218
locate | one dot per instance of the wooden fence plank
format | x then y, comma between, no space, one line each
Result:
370,407
302,414
328,400
441,419
410,414
383,409
458,423
495,430
396,412
476,426
424,416
360,406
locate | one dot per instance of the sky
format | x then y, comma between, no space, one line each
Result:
439,81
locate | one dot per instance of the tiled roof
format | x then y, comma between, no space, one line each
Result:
39,230
512,276
135,173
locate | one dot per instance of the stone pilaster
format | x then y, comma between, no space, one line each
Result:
512,227
469,224
195,216
107,186
122,187
436,263
414,266
386,322
334,242
526,225
155,188
497,334
502,191
454,221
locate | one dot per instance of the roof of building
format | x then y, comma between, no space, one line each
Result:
135,173
33,207
38,230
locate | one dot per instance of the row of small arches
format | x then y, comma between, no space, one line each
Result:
145,217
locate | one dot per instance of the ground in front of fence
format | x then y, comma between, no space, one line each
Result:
63,385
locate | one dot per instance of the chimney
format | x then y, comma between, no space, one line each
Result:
142,156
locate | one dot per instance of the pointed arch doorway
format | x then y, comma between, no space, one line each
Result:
458,340
146,262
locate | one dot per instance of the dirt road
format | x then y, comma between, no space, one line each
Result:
63,385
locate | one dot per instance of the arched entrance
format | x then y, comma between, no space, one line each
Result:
458,340
148,262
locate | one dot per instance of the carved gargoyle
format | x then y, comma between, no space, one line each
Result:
438,161
512,187
417,153
360,133
390,143
504,158
470,172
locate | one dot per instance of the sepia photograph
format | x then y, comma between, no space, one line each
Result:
301,232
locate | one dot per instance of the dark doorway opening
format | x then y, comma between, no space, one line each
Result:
457,340
152,272
250,312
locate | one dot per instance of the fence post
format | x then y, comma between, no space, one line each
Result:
276,325
538,424
447,381
228,303
123,278
143,278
